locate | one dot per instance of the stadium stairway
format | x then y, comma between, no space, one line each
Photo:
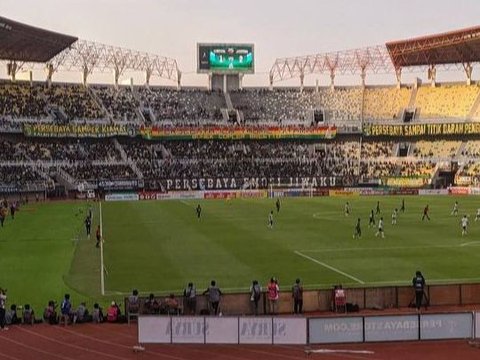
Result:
99,103
65,179
126,159
228,101
413,98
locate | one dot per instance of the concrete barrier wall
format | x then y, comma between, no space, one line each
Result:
365,298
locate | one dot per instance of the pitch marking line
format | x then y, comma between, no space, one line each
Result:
329,267
471,243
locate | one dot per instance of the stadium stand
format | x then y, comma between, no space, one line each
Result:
187,106
448,101
342,104
385,103
21,101
74,101
277,106
120,103
439,149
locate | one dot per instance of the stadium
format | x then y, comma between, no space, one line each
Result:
328,198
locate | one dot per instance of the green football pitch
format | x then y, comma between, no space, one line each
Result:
159,246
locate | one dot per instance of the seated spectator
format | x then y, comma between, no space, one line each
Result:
11,316
97,315
133,302
81,314
28,315
171,305
113,312
50,313
151,305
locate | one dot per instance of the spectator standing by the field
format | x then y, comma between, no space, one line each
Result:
418,283
3,301
273,292
88,226
425,213
133,302
214,294
380,229
190,295
297,295
358,230
255,293
66,308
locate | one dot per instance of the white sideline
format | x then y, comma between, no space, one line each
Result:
474,243
329,267
102,275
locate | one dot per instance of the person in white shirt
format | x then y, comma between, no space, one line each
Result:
464,224
380,229
394,217
477,217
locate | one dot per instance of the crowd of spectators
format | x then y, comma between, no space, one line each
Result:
18,176
120,103
92,173
188,105
101,159
18,100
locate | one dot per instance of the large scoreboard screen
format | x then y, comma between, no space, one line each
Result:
226,58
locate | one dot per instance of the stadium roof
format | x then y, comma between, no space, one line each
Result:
23,42
460,46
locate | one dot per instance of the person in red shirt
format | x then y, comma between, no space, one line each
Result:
273,294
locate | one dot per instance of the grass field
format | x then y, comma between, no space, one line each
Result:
160,246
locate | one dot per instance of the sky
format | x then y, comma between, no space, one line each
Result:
278,28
